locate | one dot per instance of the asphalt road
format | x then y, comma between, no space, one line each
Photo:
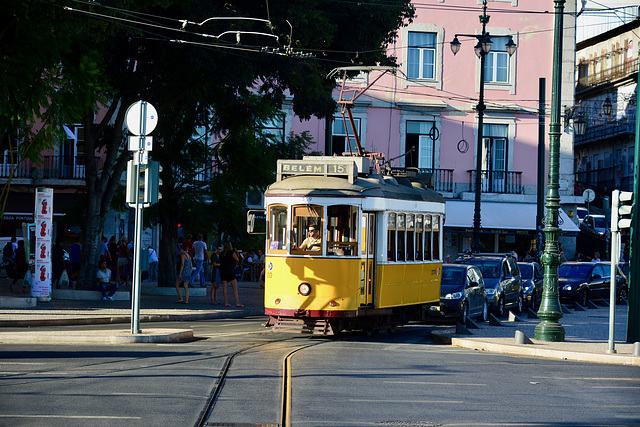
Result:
401,379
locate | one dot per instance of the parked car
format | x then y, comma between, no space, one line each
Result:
582,281
532,282
502,280
596,223
581,212
462,294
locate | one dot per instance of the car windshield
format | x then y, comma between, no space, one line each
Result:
526,271
600,222
452,276
574,270
490,268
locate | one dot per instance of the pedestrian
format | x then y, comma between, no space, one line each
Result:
563,258
75,254
200,255
184,275
229,259
105,285
104,250
596,257
215,274
123,262
112,263
57,262
22,266
189,243
153,265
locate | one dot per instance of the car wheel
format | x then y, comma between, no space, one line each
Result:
519,304
464,313
484,316
501,310
622,293
583,298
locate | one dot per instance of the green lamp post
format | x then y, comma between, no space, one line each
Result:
549,329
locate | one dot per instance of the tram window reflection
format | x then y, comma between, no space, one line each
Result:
277,229
401,238
419,238
427,237
436,237
342,223
307,226
391,237
410,237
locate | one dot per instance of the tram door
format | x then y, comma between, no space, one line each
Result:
368,266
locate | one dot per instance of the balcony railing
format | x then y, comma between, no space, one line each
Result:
609,178
51,167
607,75
507,182
442,179
607,130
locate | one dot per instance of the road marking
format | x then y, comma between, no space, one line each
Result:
435,383
618,387
96,417
407,401
591,379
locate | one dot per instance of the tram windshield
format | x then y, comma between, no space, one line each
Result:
307,229
277,239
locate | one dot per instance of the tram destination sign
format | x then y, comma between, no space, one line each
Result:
324,168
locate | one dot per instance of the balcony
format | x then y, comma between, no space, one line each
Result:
51,167
505,182
441,179
609,178
601,131
608,75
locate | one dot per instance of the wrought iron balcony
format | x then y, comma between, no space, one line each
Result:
441,179
618,72
506,182
51,167
598,132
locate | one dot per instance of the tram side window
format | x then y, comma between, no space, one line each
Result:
391,237
419,239
401,237
436,237
411,253
342,224
304,219
277,229
427,237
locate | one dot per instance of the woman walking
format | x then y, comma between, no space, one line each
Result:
184,275
228,261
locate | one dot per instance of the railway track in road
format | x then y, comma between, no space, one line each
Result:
286,389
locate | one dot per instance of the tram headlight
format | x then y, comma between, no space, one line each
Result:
304,288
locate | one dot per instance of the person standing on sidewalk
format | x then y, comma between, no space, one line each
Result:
184,275
75,254
199,257
107,286
229,259
153,265
215,274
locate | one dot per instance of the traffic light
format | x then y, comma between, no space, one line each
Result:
132,182
152,182
621,209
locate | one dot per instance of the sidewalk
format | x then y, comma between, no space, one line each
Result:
586,332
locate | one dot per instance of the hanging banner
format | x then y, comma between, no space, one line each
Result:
43,215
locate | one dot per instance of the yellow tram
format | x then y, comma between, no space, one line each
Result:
376,257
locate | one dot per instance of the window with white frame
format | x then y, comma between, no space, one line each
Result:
273,128
339,143
496,65
494,147
421,55
421,144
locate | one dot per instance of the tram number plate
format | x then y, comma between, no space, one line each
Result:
269,275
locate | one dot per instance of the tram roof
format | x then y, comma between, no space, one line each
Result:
382,186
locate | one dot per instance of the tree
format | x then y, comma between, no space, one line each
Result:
220,84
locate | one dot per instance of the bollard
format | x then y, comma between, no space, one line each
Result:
521,338
636,348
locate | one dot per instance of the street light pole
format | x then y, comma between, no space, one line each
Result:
549,329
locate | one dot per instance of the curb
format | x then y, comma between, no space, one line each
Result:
98,337
534,350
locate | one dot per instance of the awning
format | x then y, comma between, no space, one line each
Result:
500,216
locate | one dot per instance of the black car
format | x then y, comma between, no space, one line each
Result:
501,280
581,281
462,294
532,283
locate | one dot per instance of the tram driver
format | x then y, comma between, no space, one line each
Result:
313,242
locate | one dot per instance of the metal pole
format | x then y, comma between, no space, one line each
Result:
542,84
484,19
615,236
549,329
633,310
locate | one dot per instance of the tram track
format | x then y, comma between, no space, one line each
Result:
286,389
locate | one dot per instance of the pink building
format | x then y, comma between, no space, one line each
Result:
424,116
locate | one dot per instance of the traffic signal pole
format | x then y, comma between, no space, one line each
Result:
633,314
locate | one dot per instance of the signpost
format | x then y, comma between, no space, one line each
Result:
141,118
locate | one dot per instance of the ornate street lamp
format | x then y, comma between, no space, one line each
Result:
549,329
607,107
481,49
580,125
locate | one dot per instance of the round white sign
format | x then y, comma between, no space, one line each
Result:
589,195
141,118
